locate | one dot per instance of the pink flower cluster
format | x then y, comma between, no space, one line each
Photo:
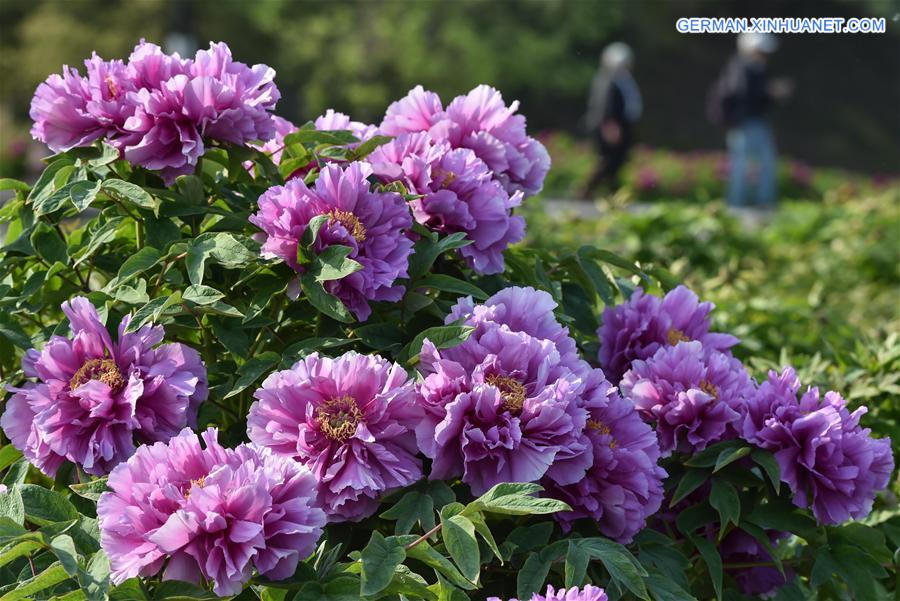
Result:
158,110
210,513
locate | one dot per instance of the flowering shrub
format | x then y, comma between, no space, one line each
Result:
395,402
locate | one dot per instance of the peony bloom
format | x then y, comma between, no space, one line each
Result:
94,398
762,581
158,110
501,408
211,512
825,456
459,194
350,420
692,395
332,120
637,328
481,122
587,593
372,224
522,309
623,486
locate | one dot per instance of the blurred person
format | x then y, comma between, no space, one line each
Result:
741,100
614,106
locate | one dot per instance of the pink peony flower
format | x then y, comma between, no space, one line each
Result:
94,398
212,513
350,420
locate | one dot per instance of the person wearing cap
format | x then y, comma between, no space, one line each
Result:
614,106
746,96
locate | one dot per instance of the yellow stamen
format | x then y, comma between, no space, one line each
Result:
709,388
350,222
511,391
675,336
338,418
102,370
603,429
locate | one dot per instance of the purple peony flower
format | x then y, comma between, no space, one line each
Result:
459,195
332,120
623,486
637,328
209,512
93,398
587,593
825,456
350,420
522,309
158,110
691,394
481,122
761,581
372,224
501,408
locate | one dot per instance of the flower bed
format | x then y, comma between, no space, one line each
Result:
332,378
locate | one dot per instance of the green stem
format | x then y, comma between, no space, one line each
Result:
139,234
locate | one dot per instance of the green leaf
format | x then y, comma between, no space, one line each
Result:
413,507
152,311
323,301
333,264
53,202
44,506
16,473
64,548
380,559
532,576
13,332
44,187
201,295
766,461
481,528
97,236
369,145
308,239
446,283
690,481
380,336
7,183
252,370
441,337
11,506
52,576
83,194
226,249
8,455
712,559
724,498
429,556
729,456
426,251
48,244
15,550
123,191
710,455
316,137
664,588
621,565
459,538
576,564
137,264
90,490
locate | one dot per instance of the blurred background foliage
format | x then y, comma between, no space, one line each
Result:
358,56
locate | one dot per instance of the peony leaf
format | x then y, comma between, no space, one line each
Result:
458,534
380,559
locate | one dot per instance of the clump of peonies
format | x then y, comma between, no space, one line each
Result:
350,420
158,110
825,456
479,121
639,327
762,579
515,403
211,512
372,225
691,394
624,485
588,593
93,398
